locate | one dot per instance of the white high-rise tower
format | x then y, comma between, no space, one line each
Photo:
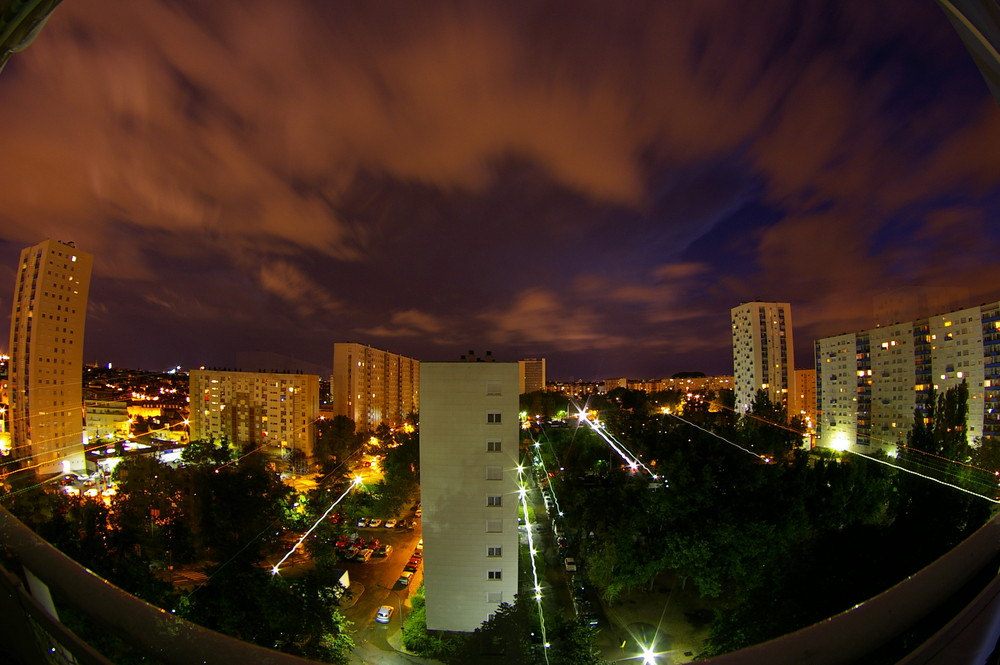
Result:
763,352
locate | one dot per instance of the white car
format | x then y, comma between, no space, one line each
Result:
384,614
570,564
375,522
390,523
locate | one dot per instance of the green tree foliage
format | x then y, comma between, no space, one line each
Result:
218,512
987,455
208,452
503,639
546,404
416,637
401,472
765,428
573,643
294,616
336,440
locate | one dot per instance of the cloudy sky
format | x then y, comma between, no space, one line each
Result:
597,183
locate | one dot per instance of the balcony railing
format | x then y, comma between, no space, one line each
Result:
29,633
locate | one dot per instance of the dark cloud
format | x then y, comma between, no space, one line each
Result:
597,183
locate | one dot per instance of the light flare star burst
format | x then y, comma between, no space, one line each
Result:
355,483
631,460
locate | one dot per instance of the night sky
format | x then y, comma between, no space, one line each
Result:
596,183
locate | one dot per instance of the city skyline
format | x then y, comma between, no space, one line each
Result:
597,185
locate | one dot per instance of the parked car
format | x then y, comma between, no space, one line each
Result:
412,565
419,512
420,545
404,578
364,555
342,541
351,552
362,522
417,554
375,522
373,543
383,550
570,564
384,614
390,523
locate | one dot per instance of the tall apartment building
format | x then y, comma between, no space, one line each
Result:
469,492
802,402
371,386
46,357
531,374
276,411
870,383
763,352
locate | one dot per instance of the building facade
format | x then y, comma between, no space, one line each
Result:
372,387
869,384
803,401
763,352
106,420
46,357
531,374
468,483
276,412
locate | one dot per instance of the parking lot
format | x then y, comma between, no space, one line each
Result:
376,582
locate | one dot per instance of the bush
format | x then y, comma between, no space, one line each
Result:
418,640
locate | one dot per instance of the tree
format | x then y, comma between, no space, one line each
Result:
766,430
336,440
214,453
951,423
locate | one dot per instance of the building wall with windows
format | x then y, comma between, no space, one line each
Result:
106,420
272,410
895,369
803,402
531,374
468,484
836,389
371,386
46,357
763,352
